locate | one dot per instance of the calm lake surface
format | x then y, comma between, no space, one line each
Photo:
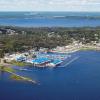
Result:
78,81
50,19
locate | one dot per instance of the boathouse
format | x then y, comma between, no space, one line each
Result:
41,62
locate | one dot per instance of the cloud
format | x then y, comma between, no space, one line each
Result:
49,5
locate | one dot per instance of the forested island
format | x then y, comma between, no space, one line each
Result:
19,39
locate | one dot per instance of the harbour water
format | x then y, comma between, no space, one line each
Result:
50,19
80,80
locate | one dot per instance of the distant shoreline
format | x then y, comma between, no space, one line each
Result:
50,19
43,27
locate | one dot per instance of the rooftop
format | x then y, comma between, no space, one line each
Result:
41,60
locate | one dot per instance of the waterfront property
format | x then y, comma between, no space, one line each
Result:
48,59
55,63
39,59
79,80
41,62
15,56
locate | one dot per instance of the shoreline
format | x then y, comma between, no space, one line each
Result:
77,48
82,48
15,76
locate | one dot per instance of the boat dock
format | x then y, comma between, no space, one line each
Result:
48,59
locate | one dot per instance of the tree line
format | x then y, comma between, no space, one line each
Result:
28,38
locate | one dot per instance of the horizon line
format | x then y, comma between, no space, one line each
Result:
45,11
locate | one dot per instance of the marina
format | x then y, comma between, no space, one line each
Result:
74,80
49,49
44,59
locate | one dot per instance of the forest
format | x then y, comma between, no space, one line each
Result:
13,39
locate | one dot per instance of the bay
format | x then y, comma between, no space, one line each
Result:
80,80
50,19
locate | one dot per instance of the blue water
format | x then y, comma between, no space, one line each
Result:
78,81
50,19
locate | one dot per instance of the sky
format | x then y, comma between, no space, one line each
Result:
50,5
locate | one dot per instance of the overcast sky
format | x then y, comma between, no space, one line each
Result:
49,5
